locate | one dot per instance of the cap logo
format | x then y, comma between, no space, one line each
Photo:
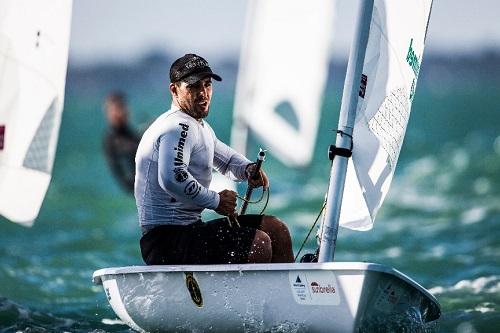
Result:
194,63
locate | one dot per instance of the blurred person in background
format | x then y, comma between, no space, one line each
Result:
120,140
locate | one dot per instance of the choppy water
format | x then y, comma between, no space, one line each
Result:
439,224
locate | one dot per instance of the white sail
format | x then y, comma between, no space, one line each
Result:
283,68
390,72
34,42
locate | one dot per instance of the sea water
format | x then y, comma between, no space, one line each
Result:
439,224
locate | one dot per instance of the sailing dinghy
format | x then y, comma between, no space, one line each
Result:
312,297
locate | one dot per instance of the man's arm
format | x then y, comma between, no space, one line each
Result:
173,175
229,162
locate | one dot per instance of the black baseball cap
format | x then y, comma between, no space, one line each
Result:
191,68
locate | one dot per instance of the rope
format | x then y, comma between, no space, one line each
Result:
310,230
267,200
264,191
253,202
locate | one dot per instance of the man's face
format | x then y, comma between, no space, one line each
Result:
116,113
194,99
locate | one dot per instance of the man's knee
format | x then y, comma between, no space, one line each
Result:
262,241
261,250
274,224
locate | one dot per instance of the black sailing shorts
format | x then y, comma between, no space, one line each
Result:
213,242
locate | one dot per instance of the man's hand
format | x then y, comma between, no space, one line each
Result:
227,203
261,180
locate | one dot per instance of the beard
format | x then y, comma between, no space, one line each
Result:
196,111
195,106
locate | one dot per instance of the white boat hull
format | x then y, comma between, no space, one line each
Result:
305,297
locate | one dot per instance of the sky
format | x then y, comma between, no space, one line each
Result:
124,30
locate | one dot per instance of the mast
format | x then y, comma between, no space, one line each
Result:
347,118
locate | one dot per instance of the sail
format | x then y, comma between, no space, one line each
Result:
34,42
282,74
387,87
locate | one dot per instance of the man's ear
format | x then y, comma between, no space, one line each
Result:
173,89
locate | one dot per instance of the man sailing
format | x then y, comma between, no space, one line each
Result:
174,165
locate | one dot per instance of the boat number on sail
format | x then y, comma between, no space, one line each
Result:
194,289
314,288
2,135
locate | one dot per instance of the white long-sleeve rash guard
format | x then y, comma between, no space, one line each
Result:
174,163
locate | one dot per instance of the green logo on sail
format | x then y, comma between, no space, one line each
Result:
412,59
414,62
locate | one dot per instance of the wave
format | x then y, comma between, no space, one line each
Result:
481,285
17,318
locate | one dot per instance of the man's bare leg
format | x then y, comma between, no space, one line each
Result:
261,250
281,241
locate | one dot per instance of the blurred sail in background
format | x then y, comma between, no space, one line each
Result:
34,42
282,75
387,86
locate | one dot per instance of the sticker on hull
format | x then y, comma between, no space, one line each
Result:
390,297
194,289
314,288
